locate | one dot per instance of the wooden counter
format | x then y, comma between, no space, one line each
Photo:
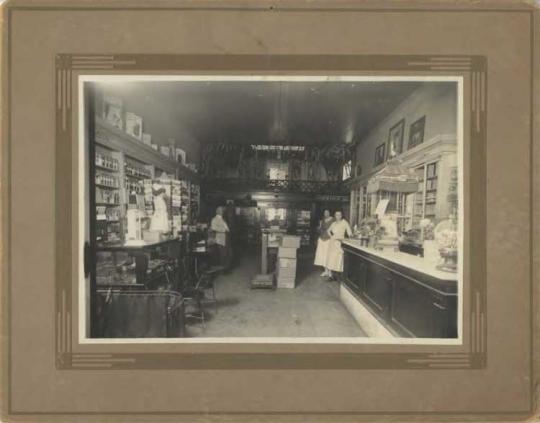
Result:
410,298
155,263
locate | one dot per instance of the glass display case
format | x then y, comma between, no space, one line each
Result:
140,267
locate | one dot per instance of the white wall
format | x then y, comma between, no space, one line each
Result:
437,101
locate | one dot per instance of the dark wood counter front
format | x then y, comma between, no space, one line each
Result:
410,298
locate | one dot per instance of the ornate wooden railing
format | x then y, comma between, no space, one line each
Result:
288,186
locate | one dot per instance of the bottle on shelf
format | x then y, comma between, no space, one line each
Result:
106,162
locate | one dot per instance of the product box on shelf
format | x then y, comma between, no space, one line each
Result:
166,151
147,139
180,155
113,111
134,125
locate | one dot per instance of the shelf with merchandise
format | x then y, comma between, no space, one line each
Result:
122,167
106,162
116,139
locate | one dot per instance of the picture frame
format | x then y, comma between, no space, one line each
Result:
380,154
395,139
416,132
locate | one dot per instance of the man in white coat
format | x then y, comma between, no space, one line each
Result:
337,232
221,229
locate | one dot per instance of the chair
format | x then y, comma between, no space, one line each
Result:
206,280
196,295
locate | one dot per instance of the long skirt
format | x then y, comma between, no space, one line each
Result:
321,252
334,259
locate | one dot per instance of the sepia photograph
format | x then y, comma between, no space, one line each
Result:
271,208
294,210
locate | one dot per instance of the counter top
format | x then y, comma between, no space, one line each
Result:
415,263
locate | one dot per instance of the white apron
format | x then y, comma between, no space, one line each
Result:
160,218
337,231
322,252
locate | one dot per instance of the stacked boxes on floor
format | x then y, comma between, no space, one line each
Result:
286,265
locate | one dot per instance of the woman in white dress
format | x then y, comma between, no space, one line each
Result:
337,232
323,242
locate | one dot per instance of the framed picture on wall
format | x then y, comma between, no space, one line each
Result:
395,139
380,154
416,132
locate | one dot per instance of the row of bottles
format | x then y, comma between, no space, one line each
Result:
194,196
107,162
110,214
137,171
104,196
132,185
106,180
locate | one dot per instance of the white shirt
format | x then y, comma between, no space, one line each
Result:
337,230
220,227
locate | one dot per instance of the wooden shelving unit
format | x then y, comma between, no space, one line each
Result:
107,186
128,161
425,200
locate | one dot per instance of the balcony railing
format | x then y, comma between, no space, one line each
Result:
282,186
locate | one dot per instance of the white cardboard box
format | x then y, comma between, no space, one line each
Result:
285,282
290,241
285,252
286,272
287,262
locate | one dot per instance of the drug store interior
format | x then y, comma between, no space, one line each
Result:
206,199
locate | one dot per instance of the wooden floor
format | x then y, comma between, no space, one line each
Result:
312,309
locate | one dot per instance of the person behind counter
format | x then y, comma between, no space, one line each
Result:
160,219
321,254
337,231
221,230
